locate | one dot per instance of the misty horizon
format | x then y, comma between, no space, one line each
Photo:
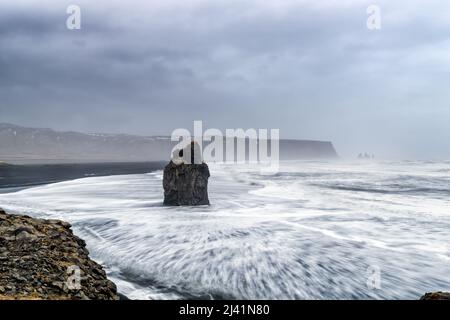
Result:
23,145
344,156
311,69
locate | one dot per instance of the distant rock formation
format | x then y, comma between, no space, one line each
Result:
366,156
36,260
185,178
436,296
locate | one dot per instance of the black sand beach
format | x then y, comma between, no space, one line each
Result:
13,177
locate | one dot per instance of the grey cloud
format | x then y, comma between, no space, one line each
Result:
312,70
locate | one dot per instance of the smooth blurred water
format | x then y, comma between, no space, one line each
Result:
314,230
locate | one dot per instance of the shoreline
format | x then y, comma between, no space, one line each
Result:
17,177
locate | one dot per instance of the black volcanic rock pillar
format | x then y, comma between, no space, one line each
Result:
186,184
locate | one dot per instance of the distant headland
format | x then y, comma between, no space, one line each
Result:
20,145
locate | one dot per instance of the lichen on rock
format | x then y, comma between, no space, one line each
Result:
37,257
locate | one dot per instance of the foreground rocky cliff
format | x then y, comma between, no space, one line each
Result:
436,296
43,259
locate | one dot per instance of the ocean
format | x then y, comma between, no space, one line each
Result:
314,230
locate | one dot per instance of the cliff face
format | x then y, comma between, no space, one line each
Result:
43,259
25,145
306,149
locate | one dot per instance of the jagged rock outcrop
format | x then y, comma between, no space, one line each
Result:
186,184
43,259
185,179
436,296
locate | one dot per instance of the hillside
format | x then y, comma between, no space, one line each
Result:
25,145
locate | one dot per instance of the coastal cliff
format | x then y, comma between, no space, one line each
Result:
22,145
43,259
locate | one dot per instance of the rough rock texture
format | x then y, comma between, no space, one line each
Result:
186,184
37,259
436,296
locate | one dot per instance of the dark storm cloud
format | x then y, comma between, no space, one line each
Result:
310,68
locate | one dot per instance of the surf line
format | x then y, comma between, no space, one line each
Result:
191,310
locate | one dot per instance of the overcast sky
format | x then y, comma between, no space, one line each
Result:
310,68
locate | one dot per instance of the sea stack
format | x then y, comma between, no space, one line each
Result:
185,179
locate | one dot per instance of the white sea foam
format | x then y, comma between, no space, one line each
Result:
310,231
